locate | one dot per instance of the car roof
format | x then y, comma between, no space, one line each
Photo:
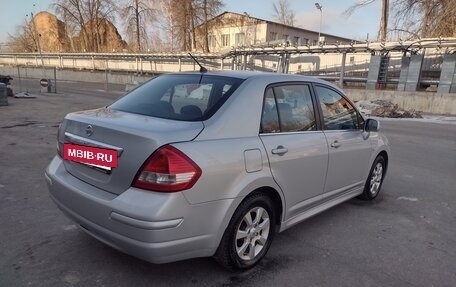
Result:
275,77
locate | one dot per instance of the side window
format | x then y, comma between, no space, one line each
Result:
338,113
288,108
270,118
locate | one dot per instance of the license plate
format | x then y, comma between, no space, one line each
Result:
93,156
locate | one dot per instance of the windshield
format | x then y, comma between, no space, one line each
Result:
187,97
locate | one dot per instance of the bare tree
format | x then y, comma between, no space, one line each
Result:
138,15
210,9
428,18
166,20
88,16
414,18
71,30
283,13
181,17
169,18
179,12
24,39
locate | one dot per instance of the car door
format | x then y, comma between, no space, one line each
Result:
349,148
296,148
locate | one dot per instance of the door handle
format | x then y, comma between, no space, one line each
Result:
335,144
280,150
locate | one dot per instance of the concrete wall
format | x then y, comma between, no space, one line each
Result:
116,63
77,76
427,102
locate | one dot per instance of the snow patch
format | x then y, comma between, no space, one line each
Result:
407,198
384,108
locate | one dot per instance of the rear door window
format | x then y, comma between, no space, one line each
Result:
188,97
288,108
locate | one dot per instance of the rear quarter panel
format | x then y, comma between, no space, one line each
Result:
224,174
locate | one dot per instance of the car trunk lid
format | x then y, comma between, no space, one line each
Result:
134,137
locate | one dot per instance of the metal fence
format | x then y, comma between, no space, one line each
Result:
346,64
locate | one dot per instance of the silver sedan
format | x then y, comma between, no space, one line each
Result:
213,163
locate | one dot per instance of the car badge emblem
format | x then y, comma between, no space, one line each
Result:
89,130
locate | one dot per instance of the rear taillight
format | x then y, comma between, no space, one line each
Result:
167,170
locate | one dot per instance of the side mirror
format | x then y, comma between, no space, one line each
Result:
371,125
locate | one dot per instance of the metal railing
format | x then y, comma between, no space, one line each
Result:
338,62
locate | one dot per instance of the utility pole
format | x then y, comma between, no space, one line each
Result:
384,21
319,7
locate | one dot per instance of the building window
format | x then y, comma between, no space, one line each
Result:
285,37
211,40
297,41
272,36
239,39
225,40
306,41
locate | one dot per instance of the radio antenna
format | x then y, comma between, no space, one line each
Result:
202,69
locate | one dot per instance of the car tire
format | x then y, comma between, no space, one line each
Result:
374,180
249,234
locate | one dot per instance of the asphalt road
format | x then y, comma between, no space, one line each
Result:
404,238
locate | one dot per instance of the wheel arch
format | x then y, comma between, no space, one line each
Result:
271,192
384,154
221,253
274,195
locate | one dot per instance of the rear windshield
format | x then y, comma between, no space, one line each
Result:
192,97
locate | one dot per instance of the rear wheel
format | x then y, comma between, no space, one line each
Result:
375,179
249,234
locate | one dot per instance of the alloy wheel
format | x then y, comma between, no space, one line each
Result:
376,178
252,233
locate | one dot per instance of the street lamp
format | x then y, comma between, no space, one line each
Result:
37,38
319,7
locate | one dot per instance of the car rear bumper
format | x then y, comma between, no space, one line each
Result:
156,227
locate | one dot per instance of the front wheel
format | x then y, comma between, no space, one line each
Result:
375,179
249,234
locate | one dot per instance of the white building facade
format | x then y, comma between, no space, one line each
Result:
230,30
